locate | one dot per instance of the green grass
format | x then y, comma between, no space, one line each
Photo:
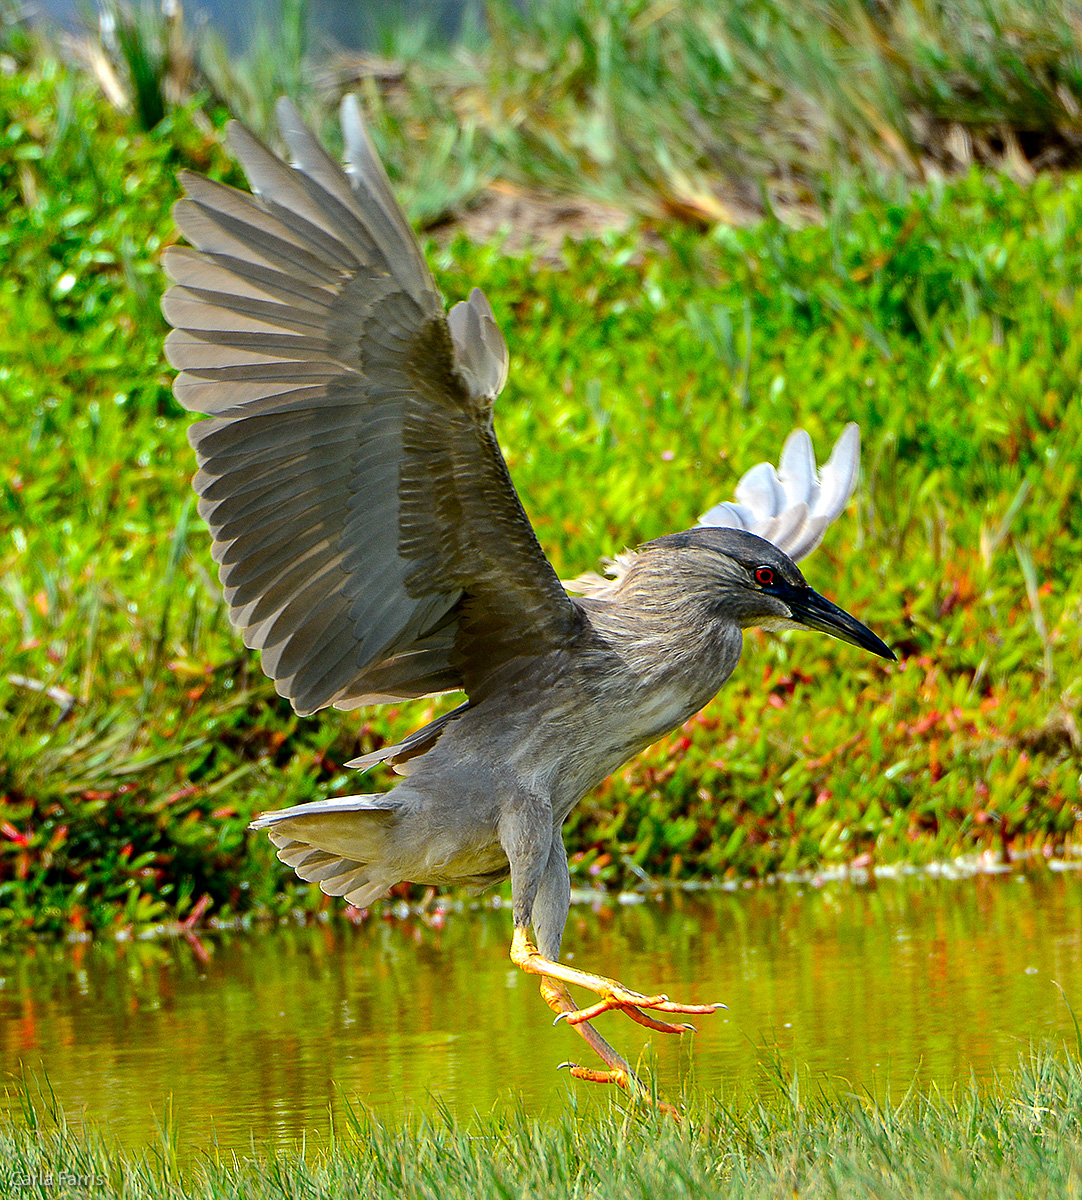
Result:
647,373
1019,1138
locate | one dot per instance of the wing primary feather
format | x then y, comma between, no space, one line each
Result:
273,220
195,352
223,273
369,179
265,241
290,195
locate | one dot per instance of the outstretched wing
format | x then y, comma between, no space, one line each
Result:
369,538
793,505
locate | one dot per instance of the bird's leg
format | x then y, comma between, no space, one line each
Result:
620,1072
541,895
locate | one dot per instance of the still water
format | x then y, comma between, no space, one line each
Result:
257,1039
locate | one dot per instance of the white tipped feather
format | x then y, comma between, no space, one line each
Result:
796,468
479,345
761,491
839,476
382,802
791,506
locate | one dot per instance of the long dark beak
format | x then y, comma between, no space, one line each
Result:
817,612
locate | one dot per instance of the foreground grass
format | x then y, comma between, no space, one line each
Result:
1019,1138
137,738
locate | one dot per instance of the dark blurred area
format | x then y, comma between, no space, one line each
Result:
346,24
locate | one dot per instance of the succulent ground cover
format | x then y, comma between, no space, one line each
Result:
649,369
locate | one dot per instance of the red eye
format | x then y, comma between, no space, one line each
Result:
764,576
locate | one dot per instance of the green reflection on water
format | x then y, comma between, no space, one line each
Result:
259,1037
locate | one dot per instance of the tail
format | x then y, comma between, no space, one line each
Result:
336,843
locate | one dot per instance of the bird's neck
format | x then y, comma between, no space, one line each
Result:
670,642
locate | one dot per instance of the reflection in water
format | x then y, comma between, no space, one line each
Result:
863,987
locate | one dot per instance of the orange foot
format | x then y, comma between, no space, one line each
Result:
613,996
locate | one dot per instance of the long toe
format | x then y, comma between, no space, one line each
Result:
581,1015
613,995
592,1076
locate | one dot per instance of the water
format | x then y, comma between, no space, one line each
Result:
255,1039
329,23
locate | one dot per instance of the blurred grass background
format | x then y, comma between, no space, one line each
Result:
802,214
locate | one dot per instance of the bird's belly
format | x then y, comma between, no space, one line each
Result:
448,862
606,739
447,834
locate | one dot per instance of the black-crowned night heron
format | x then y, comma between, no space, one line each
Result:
372,547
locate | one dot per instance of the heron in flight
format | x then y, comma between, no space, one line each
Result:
372,547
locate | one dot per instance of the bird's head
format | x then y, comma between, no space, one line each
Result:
753,583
